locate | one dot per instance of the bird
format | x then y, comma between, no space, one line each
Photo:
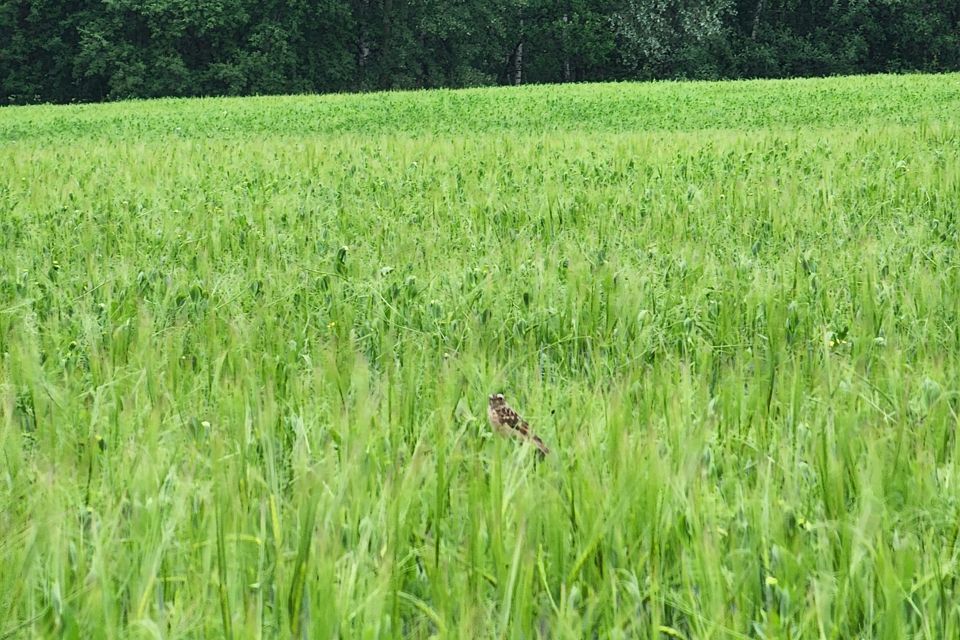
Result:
508,422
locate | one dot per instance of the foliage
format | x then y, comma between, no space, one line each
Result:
115,49
246,344
655,31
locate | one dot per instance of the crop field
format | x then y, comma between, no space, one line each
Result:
246,347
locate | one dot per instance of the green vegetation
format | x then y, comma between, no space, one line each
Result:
96,50
246,346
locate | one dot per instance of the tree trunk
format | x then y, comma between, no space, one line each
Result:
363,51
518,63
386,77
756,20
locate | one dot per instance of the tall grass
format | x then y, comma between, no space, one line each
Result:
243,377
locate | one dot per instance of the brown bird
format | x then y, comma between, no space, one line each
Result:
508,422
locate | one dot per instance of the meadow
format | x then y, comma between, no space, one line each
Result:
246,347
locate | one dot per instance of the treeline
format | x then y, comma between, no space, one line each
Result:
92,50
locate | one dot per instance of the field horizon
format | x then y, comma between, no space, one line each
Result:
246,346
612,107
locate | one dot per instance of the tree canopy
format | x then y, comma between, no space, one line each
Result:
93,50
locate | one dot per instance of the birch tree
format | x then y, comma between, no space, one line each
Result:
653,31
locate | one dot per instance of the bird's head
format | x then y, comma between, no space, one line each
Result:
496,400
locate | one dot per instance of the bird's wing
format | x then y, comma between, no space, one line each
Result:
522,428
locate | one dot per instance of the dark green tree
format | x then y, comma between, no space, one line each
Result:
88,50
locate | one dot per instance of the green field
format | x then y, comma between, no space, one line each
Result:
246,347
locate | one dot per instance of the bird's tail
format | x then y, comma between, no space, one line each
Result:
541,448
524,429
